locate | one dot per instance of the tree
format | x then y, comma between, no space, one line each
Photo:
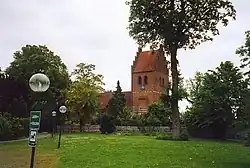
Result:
32,59
84,93
14,100
126,116
244,53
117,103
160,112
217,99
193,86
177,24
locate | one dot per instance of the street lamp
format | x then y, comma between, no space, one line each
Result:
53,117
38,83
62,110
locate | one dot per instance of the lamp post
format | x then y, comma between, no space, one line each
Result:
38,83
53,118
62,110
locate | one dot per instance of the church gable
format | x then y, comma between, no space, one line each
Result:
145,62
150,61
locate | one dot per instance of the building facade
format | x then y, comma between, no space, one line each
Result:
149,78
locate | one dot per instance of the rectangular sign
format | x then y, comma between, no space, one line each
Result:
32,138
35,117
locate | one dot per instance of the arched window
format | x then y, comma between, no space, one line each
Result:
162,81
139,80
145,80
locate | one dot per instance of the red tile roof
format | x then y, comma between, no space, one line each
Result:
105,97
145,61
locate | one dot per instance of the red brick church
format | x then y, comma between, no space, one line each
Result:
149,77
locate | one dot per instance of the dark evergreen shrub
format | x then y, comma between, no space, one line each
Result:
107,125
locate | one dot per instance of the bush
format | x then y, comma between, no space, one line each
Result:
4,128
247,142
163,137
13,127
183,137
107,125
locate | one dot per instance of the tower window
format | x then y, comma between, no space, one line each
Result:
139,80
145,80
162,81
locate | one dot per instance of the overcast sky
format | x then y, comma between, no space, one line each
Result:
94,31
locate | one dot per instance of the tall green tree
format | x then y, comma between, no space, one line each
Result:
117,103
84,94
177,24
33,59
244,53
218,99
193,86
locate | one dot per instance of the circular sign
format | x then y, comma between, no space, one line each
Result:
63,109
39,82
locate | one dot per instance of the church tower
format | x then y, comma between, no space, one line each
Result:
150,76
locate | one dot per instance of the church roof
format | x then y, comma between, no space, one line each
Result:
145,61
106,96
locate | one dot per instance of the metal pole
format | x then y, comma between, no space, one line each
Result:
59,140
32,157
52,124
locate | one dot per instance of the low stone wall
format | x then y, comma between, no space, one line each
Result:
136,129
95,128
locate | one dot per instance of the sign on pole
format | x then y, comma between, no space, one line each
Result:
32,138
35,117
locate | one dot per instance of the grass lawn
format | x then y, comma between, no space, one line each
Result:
116,151
17,154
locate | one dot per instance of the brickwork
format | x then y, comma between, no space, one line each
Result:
149,77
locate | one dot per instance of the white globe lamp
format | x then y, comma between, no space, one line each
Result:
39,82
62,109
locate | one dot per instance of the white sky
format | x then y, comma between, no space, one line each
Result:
95,32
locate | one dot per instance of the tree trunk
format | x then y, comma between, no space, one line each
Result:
174,98
81,124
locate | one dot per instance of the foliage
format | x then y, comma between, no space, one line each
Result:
29,60
107,125
158,115
126,116
247,143
13,127
83,95
117,103
193,86
244,53
186,23
218,99
161,113
182,91
177,24
14,100
32,59
183,137
4,127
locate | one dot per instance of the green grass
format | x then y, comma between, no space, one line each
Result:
117,151
17,154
